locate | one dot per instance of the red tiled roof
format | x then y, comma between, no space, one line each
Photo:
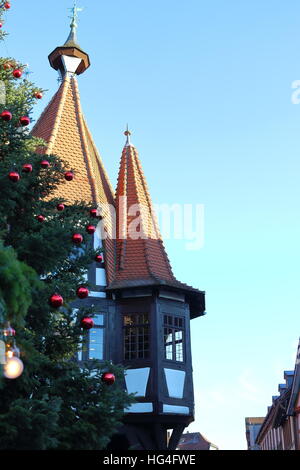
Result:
130,261
63,127
141,255
194,441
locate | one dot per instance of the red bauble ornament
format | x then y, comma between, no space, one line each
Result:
41,218
99,258
24,121
7,66
17,73
6,115
87,323
14,176
90,229
38,95
69,176
60,207
77,238
108,378
56,300
1,25
27,168
7,5
45,164
82,292
93,213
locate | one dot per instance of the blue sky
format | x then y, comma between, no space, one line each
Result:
206,87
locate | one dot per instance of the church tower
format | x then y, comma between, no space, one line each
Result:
143,312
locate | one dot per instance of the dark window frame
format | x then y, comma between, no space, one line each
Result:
136,336
174,330
84,351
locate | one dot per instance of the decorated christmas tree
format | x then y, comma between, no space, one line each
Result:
48,400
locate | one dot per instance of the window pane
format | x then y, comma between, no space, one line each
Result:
173,338
128,320
136,336
178,335
179,352
98,320
169,352
79,353
96,343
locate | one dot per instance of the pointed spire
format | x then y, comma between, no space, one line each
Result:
70,57
72,38
141,256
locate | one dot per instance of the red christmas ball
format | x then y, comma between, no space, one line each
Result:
77,238
45,164
93,213
17,73
14,176
82,292
69,176
87,323
7,66
38,95
56,300
40,218
90,229
6,115
24,120
27,168
7,5
99,258
108,378
1,25
60,207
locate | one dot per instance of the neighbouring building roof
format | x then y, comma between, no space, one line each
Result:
195,441
295,391
285,404
254,420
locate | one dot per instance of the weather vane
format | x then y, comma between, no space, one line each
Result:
74,16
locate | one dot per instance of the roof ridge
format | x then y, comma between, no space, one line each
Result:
45,111
132,152
83,137
140,254
154,221
98,155
64,86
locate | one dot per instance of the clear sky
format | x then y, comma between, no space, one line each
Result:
206,87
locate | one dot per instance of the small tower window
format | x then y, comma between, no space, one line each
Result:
96,338
174,334
136,336
92,342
